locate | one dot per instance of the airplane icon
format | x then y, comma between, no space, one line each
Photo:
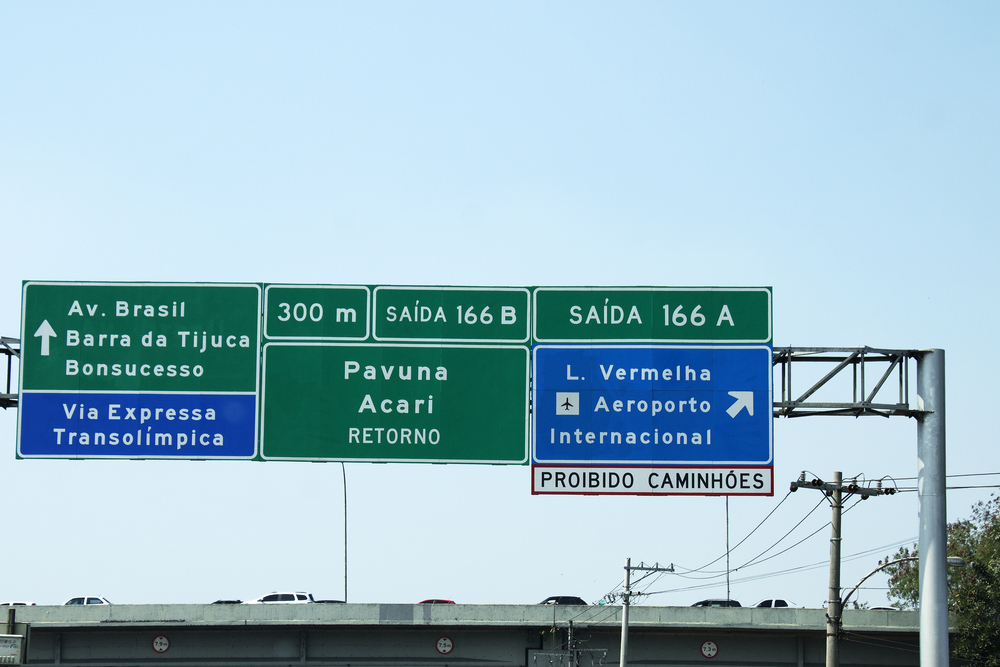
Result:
567,403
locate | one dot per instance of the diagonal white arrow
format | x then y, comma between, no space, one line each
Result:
744,399
45,331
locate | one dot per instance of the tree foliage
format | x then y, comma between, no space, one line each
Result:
973,591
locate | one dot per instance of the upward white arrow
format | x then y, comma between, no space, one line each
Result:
744,399
45,331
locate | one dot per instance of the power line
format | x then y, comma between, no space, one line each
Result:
913,489
752,560
768,575
967,474
748,536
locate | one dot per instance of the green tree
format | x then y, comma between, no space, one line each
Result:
973,591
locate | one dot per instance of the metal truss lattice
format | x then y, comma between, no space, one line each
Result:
879,380
11,347
876,381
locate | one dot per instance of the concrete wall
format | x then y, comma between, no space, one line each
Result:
376,635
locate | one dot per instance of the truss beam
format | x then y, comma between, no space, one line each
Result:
11,347
862,364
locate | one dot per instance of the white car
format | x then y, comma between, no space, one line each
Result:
87,599
17,604
774,603
298,597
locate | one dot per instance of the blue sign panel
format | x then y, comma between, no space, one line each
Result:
652,405
137,425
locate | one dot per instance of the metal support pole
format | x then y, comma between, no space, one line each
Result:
932,509
833,597
343,471
728,596
628,578
570,645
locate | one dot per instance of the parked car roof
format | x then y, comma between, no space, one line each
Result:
297,597
563,599
87,599
775,602
717,603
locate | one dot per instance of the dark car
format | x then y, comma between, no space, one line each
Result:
717,603
436,601
563,599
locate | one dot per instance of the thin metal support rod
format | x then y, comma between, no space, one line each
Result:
862,372
727,547
343,471
786,390
932,509
623,659
854,388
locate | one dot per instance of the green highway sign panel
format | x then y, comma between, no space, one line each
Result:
139,370
327,372
316,312
452,314
395,402
652,314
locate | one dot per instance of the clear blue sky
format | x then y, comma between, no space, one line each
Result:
845,154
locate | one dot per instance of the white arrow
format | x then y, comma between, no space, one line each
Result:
744,399
46,331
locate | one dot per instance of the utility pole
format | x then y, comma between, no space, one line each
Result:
835,491
626,596
833,595
623,659
570,645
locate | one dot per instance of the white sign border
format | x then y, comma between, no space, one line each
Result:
643,474
257,378
667,341
368,314
601,345
529,308
527,412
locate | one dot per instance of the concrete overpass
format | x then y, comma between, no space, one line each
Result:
398,635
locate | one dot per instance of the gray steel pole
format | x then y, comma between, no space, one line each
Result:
833,609
343,471
623,660
932,509
728,594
